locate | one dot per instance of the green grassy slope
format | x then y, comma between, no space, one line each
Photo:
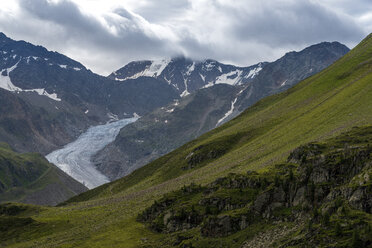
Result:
30,178
323,189
319,107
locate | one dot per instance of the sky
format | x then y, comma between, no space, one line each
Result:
105,35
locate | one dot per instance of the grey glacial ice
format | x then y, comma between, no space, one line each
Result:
75,157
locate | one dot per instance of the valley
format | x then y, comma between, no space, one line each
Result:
186,153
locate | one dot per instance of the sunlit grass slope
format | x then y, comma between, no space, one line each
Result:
319,107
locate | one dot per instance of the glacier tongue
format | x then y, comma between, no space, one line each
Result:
75,158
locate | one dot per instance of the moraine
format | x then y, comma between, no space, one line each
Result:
75,157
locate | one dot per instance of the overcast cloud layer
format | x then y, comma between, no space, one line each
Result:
106,34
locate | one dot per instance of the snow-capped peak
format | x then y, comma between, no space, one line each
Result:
156,68
153,70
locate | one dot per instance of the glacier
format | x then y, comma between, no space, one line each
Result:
75,157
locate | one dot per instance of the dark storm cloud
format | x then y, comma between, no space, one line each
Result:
104,43
241,31
88,29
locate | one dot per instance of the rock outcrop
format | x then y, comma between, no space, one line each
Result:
319,180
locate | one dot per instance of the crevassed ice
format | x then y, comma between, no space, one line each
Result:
75,157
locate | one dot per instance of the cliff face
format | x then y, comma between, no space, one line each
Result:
165,129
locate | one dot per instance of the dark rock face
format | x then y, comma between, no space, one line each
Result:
187,76
290,69
163,130
328,179
56,98
27,127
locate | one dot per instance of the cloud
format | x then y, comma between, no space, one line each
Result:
105,35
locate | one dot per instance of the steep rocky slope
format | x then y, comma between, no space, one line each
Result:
187,76
68,96
165,129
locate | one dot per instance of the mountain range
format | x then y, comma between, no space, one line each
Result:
292,170
68,97
187,76
48,100
216,102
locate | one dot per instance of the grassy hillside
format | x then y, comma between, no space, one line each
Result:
318,108
30,178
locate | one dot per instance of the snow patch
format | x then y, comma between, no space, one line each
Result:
202,77
175,86
6,83
208,85
232,78
168,81
113,117
63,66
228,113
122,79
43,92
190,69
209,66
254,72
185,92
284,82
154,70
31,57
86,111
